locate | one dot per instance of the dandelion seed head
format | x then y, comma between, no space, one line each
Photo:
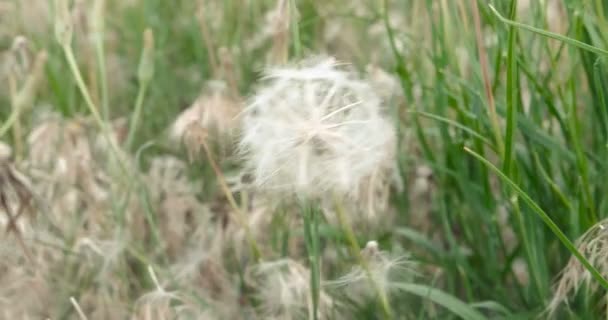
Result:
314,128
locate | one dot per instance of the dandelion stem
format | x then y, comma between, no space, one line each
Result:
356,251
311,233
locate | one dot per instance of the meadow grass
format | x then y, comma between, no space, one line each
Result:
500,110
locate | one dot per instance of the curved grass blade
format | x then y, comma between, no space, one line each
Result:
548,34
443,299
455,125
545,217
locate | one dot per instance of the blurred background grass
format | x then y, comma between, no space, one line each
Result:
534,106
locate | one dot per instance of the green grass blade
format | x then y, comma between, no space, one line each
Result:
545,217
441,298
512,94
548,34
455,125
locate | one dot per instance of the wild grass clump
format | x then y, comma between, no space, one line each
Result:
282,159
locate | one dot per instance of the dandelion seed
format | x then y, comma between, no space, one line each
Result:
315,128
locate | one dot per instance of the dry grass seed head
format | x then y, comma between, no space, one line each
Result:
594,246
212,116
174,196
16,199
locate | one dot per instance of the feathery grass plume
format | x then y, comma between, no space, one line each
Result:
26,17
26,94
105,253
68,162
16,198
385,84
174,196
384,269
62,150
593,244
23,86
283,289
315,128
421,198
214,112
212,290
24,287
18,61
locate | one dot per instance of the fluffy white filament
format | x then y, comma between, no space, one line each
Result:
315,128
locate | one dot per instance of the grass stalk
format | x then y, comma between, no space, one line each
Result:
141,93
546,219
71,59
103,76
483,61
512,95
549,34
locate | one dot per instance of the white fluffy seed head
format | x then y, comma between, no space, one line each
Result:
315,128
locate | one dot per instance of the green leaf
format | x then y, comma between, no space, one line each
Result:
443,299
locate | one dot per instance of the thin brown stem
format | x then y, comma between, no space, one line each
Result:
239,216
483,61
